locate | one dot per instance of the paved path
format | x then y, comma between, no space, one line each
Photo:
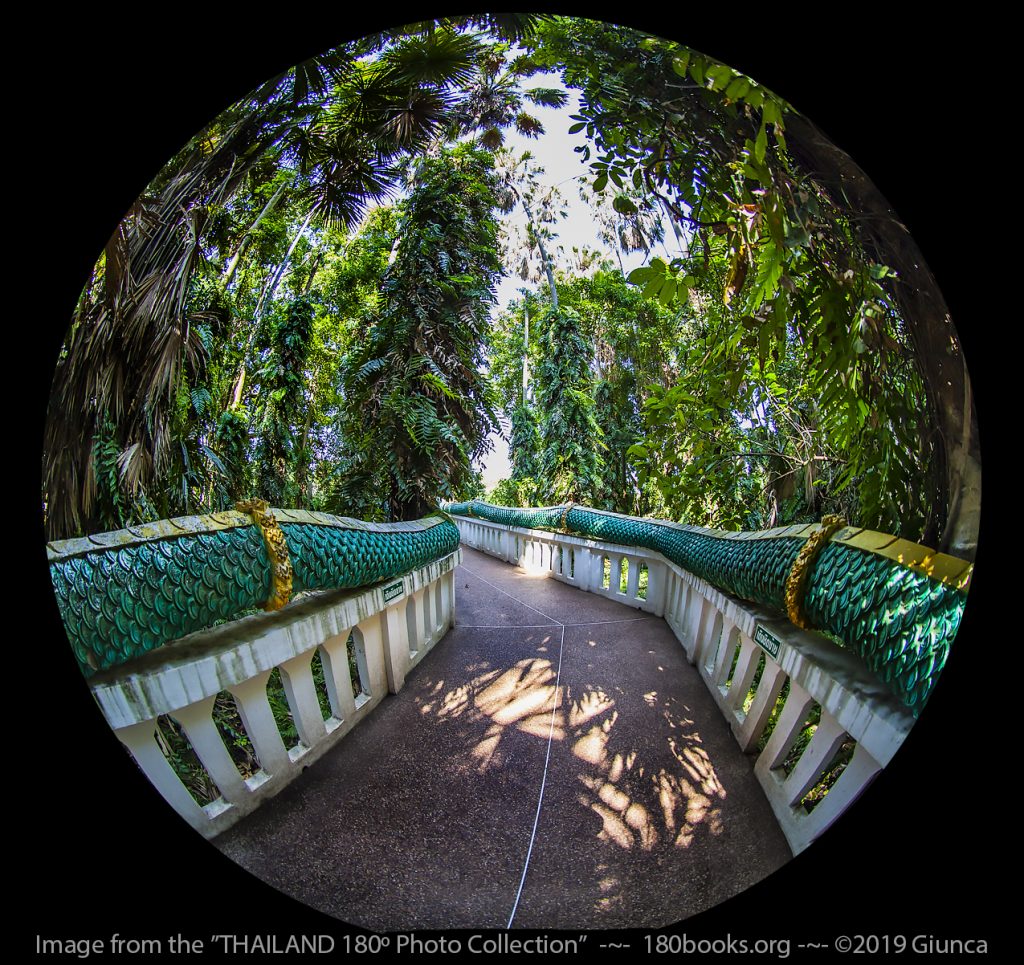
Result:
553,763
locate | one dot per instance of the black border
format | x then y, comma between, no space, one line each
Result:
107,96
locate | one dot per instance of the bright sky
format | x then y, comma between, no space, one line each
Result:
564,169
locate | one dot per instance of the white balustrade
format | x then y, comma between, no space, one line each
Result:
392,626
748,657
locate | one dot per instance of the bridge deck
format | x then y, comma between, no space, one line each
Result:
426,816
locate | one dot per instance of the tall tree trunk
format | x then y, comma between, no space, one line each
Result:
268,293
937,349
247,237
548,270
526,352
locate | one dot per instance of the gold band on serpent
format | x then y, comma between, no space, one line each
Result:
799,573
277,550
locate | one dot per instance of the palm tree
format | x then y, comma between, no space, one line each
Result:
418,405
341,119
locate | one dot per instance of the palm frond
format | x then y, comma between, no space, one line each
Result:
440,57
547,96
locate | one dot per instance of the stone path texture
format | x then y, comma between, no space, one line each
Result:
553,763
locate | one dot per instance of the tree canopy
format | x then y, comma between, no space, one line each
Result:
301,304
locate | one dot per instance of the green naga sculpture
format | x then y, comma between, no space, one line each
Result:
895,603
125,593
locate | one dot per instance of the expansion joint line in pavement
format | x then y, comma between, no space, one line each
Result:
551,734
543,780
510,596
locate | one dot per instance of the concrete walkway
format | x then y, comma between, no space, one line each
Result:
554,763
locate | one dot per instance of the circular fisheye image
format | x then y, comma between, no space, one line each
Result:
511,471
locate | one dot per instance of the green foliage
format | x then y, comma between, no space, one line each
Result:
417,408
311,147
230,441
519,492
570,465
630,346
524,442
283,388
796,366
762,375
111,506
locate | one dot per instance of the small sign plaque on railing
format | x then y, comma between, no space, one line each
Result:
767,641
392,592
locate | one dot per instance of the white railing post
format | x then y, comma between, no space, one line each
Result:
699,609
395,632
373,655
749,731
657,579
583,565
858,774
787,728
239,659
258,720
823,746
719,672
633,577
708,638
140,739
297,677
449,598
197,721
414,622
337,677
614,574
710,656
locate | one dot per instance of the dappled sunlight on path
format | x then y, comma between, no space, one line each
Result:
554,763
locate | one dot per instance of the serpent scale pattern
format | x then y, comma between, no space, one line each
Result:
899,620
143,588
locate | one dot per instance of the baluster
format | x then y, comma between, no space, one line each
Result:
337,676
699,610
686,602
749,732
429,629
707,640
859,772
827,738
414,622
746,667
673,594
709,654
657,587
395,637
787,727
197,721
614,574
723,659
633,578
449,598
141,741
371,658
258,720
436,591
299,688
